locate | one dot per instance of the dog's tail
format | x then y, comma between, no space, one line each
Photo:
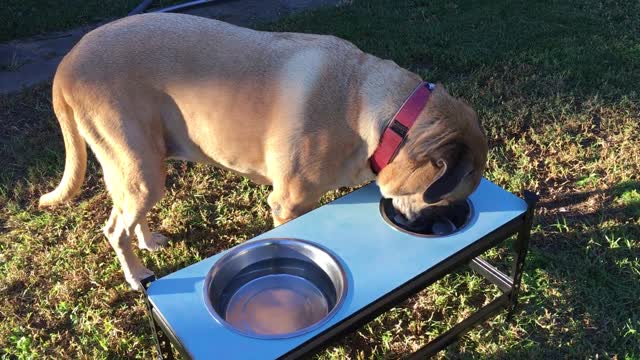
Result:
75,164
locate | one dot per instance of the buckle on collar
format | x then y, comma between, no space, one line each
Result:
399,128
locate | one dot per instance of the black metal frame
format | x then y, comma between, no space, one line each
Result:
163,345
509,284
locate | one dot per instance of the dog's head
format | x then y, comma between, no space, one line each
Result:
442,159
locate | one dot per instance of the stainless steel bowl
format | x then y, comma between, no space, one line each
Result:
275,288
435,221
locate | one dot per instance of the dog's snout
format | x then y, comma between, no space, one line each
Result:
408,218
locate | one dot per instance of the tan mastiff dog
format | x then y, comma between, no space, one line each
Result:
303,113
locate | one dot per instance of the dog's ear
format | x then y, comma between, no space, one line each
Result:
446,181
444,154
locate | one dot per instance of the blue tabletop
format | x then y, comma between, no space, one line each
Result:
377,257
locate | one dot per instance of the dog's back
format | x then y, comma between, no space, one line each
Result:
170,48
154,66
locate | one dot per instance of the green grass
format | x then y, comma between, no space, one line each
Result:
555,84
23,18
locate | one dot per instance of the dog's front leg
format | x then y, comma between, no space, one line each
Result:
290,199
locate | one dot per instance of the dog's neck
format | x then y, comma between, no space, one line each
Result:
383,94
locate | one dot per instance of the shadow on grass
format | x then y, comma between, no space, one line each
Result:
590,260
620,203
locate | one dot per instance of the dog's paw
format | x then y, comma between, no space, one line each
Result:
135,278
155,242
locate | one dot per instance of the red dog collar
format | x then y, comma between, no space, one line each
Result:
395,133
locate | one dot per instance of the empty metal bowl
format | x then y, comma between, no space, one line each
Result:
275,288
434,220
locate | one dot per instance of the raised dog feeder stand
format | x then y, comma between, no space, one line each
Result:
293,290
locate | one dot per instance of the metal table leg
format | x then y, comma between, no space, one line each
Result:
163,345
510,286
521,247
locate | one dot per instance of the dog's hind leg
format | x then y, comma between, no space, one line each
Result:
118,230
134,176
132,197
137,189
149,240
